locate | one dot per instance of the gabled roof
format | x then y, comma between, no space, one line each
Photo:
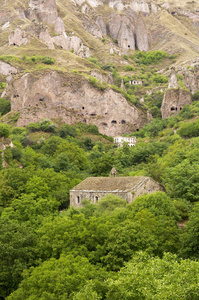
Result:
107,184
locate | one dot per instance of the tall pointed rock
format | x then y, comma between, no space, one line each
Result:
141,36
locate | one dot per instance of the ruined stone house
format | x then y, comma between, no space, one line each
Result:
119,140
128,188
135,82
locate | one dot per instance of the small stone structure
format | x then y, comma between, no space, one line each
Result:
119,140
128,188
113,172
135,82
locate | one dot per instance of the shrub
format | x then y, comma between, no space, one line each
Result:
2,85
189,130
48,60
108,67
4,130
150,57
33,127
93,60
67,130
47,126
129,68
125,57
5,106
195,96
160,78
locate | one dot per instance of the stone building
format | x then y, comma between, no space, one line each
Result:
135,82
128,188
119,140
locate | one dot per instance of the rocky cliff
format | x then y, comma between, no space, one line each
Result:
72,99
108,33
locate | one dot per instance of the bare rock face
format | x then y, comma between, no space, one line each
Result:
141,37
173,81
6,69
174,101
92,27
18,37
191,79
101,24
102,77
45,10
59,26
72,43
122,29
45,37
53,95
126,37
142,6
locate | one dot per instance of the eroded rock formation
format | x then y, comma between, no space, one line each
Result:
174,101
191,79
18,37
173,81
121,29
54,95
43,10
6,69
141,36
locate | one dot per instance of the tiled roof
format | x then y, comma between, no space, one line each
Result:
110,183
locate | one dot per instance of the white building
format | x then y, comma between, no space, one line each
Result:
135,82
119,140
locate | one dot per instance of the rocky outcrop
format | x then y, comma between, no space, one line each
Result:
191,79
92,27
141,36
101,24
6,69
72,43
18,37
59,96
59,26
121,29
43,10
174,101
45,37
173,81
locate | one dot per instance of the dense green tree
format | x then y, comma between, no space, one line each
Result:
158,203
147,278
4,130
190,235
17,252
58,279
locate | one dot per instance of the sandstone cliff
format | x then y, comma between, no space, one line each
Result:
58,96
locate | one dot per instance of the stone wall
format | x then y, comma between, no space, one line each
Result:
76,197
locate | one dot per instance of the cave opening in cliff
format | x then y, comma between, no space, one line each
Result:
114,122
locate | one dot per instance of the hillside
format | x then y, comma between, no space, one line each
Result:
73,75
93,46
